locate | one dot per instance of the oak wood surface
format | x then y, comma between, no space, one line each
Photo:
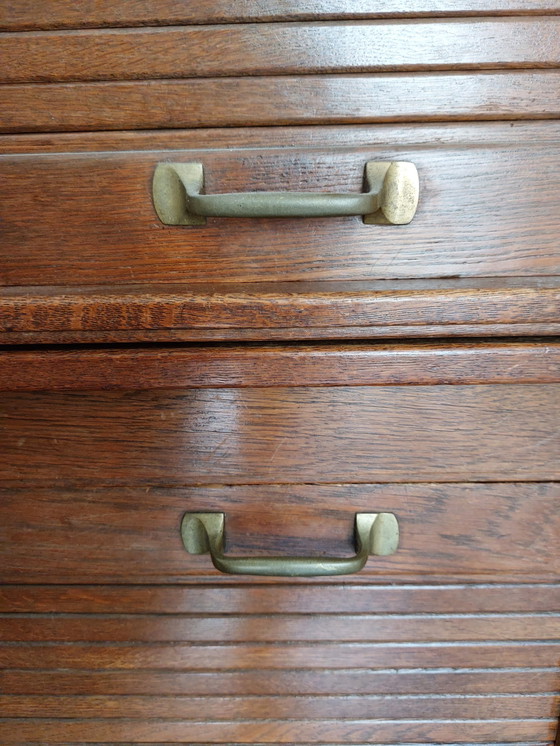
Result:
220,656
507,305
540,730
283,334
284,682
107,231
350,364
280,49
283,100
242,708
473,531
394,135
271,598
94,484
291,434
45,14
362,628
391,135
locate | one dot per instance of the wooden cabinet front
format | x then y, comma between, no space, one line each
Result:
112,632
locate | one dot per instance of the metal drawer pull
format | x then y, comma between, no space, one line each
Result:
374,533
391,196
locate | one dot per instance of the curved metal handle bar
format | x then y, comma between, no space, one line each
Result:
391,196
374,533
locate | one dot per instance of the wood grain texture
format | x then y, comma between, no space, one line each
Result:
281,682
362,628
282,334
47,14
485,531
517,743
117,686
280,731
221,656
107,231
284,100
280,49
353,364
248,598
515,303
289,708
396,135
252,435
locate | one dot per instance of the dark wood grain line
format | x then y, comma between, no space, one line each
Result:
49,14
287,100
354,364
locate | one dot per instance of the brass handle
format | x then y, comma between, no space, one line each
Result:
374,533
391,196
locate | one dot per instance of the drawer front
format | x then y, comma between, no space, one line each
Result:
458,532
111,633
299,452
97,222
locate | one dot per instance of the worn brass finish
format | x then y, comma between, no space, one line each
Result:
391,196
374,533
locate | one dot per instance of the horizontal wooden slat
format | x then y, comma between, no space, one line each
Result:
238,102
231,366
282,334
31,14
280,49
514,302
178,657
242,708
517,743
293,683
108,233
533,743
485,134
409,135
300,434
274,599
285,628
283,731
132,535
